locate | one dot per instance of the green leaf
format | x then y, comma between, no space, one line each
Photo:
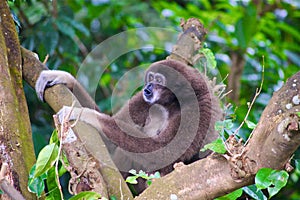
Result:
273,180
86,195
219,126
54,138
228,124
262,178
279,180
298,113
36,185
246,27
254,192
113,198
149,182
53,185
76,24
49,37
290,29
62,170
232,196
143,174
272,191
66,29
211,62
297,164
216,146
63,159
250,124
133,171
132,179
46,159
155,175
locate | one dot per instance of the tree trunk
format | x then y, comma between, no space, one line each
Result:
234,79
16,153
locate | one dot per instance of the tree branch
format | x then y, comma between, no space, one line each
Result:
274,140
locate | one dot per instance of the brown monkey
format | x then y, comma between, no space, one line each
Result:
167,122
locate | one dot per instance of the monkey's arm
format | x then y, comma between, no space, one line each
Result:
118,131
48,78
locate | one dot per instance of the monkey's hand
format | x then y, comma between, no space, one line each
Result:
87,115
50,78
68,113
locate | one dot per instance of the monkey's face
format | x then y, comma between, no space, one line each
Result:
155,88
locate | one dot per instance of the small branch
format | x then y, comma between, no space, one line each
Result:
6,187
189,41
257,93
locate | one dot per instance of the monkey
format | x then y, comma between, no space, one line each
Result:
167,122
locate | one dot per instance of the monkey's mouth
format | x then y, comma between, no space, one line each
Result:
148,93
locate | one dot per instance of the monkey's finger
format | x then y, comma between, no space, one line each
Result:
40,85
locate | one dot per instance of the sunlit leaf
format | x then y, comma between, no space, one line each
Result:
46,159
279,180
216,146
253,192
86,195
210,58
250,124
132,179
54,137
262,178
36,185
273,180
53,185
297,164
232,196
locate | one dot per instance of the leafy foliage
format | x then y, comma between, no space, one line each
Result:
272,180
141,174
216,146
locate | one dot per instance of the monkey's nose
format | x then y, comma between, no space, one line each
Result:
148,90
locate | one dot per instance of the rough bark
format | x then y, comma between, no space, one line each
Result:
15,131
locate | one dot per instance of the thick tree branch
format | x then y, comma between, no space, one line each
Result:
274,140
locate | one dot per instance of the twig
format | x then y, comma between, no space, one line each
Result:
257,93
6,187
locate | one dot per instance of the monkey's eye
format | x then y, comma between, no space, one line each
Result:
160,79
150,77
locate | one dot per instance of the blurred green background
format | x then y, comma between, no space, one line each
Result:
67,30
